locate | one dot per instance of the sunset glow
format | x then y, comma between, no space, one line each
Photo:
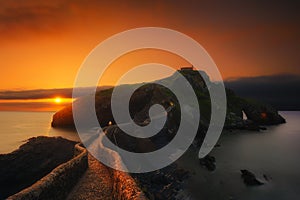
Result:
42,41
51,44
57,100
48,104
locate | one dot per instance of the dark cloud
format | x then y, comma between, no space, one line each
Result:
31,15
282,91
232,13
36,94
262,33
41,93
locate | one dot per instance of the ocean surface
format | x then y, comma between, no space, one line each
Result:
274,152
17,127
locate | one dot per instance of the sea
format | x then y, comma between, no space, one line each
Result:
17,127
274,153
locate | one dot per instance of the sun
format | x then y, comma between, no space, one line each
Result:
57,100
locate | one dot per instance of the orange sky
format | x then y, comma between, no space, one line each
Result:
43,43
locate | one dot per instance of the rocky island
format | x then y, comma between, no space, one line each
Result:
257,113
42,157
242,114
38,168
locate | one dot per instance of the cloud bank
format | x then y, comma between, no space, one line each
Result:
281,91
42,93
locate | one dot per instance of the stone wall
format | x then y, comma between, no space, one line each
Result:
125,188
58,183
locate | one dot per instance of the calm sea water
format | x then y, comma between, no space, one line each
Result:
17,127
274,152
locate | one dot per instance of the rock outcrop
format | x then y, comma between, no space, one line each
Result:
261,114
63,118
161,184
143,98
249,178
257,113
32,161
58,183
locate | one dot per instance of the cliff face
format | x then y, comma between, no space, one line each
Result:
147,95
63,118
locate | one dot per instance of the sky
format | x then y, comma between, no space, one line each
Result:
43,43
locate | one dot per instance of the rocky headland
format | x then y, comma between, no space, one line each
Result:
39,156
242,114
257,113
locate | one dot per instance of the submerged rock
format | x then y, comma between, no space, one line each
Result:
266,177
263,128
249,178
217,145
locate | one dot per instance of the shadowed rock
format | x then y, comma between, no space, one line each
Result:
144,97
31,162
249,178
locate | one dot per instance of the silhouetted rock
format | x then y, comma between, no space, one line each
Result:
63,118
31,162
266,177
145,96
217,145
169,179
262,114
249,178
263,128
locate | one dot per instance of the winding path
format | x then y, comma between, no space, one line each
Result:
95,184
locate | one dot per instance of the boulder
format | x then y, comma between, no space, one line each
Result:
249,178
